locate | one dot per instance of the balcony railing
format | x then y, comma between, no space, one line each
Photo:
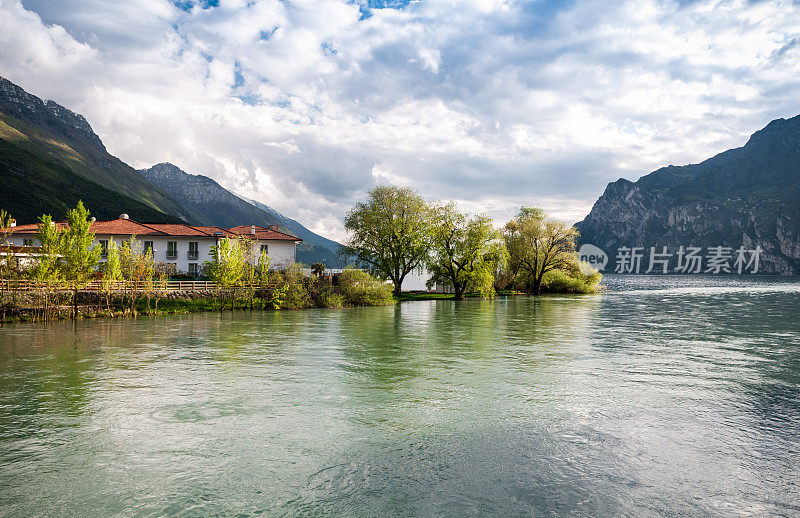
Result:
172,255
192,255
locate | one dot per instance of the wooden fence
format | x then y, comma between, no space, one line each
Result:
26,285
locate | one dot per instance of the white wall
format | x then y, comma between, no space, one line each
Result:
415,281
281,253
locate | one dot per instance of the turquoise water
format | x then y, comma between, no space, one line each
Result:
660,396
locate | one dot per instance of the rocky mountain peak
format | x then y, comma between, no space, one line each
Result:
784,132
22,105
745,196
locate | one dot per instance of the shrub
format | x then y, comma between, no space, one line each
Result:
296,294
559,281
361,289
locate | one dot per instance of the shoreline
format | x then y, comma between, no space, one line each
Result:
183,304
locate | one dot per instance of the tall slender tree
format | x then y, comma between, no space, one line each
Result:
390,233
6,259
228,265
112,272
47,272
81,257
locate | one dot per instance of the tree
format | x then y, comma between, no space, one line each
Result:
227,267
390,233
47,272
6,260
138,269
537,244
318,269
464,251
81,257
112,272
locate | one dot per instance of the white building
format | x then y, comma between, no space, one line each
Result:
185,246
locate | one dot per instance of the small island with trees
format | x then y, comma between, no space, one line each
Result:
393,233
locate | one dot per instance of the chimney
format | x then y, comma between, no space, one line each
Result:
12,223
92,219
124,216
253,229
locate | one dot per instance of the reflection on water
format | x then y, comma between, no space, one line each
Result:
654,397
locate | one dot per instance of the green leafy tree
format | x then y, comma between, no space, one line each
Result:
389,233
81,257
464,251
271,290
6,259
537,245
227,267
138,271
47,272
112,272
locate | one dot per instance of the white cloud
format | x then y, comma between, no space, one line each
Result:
492,103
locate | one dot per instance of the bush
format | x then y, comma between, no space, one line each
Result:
559,281
361,289
296,294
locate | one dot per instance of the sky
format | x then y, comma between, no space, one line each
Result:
306,105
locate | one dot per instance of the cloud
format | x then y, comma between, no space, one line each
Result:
493,103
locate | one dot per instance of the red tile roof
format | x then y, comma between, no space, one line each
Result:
213,230
125,227
128,227
264,233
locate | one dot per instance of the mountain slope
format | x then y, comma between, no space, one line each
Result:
50,131
748,196
32,185
217,206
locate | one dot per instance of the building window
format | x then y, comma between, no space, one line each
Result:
265,249
104,248
193,269
148,246
27,242
172,249
193,253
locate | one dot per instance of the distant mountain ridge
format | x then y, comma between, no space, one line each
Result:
215,205
747,196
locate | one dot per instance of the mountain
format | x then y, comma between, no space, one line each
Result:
59,141
33,185
748,196
215,205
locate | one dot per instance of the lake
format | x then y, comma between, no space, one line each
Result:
662,395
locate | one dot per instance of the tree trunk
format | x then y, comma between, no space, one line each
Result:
537,286
75,303
459,292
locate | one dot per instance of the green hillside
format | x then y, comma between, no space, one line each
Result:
33,185
49,130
